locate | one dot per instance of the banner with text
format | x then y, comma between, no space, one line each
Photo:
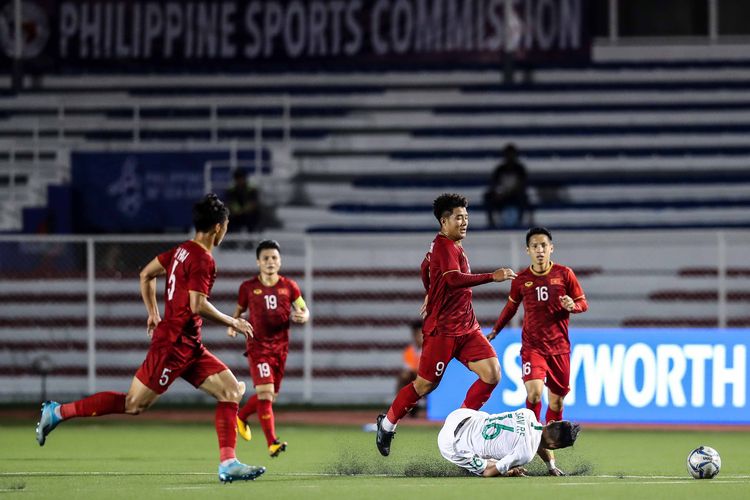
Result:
627,376
128,192
241,35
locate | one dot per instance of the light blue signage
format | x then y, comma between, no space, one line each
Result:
627,376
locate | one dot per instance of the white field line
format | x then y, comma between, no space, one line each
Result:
720,478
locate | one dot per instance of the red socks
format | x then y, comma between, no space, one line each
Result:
226,429
101,403
478,394
250,407
405,400
553,415
536,408
265,415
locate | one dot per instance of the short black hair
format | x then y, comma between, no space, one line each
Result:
537,230
446,202
416,324
265,245
563,433
208,212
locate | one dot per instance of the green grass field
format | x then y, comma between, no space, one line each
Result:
88,459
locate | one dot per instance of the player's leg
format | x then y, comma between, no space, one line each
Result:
558,385
212,376
476,352
437,351
534,367
275,446
138,398
248,409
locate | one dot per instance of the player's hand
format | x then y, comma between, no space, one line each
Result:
502,274
516,472
568,303
491,336
300,315
231,332
556,472
423,308
151,322
241,325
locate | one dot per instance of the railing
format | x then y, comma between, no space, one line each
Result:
71,307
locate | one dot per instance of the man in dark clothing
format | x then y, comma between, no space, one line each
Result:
506,195
243,200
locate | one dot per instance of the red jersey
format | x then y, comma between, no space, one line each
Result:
190,267
269,310
545,320
449,310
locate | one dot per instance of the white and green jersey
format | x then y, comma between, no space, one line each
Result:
510,438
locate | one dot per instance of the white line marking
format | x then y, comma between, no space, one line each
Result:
720,479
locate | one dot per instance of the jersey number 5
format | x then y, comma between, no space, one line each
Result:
172,280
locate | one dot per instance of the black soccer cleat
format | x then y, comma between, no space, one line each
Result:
383,438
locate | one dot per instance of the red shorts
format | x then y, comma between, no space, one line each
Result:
554,369
267,368
165,362
438,350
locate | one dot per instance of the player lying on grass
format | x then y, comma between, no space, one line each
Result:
499,445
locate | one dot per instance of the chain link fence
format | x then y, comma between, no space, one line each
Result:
72,320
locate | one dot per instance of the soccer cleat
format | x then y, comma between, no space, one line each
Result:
244,430
276,448
237,471
383,438
47,421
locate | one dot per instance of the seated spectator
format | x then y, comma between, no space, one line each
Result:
506,195
244,204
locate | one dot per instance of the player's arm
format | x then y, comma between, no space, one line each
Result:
457,279
148,277
498,468
510,309
199,304
238,310
300,312
575,301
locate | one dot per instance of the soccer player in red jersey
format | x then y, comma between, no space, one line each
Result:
550,294
273,300
450,327
176,348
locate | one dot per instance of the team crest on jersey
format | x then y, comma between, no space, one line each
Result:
528,284
556,281
257,291
283,291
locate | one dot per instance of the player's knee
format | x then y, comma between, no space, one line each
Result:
231,392
134,406
423,386
534,397
266,396
493,376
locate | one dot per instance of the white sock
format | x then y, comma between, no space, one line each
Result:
550,464
57,413
388,426
228,461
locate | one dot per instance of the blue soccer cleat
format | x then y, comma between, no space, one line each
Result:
47,421
237,471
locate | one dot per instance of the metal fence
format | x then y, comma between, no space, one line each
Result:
72,321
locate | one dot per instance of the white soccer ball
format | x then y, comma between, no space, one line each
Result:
703,463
